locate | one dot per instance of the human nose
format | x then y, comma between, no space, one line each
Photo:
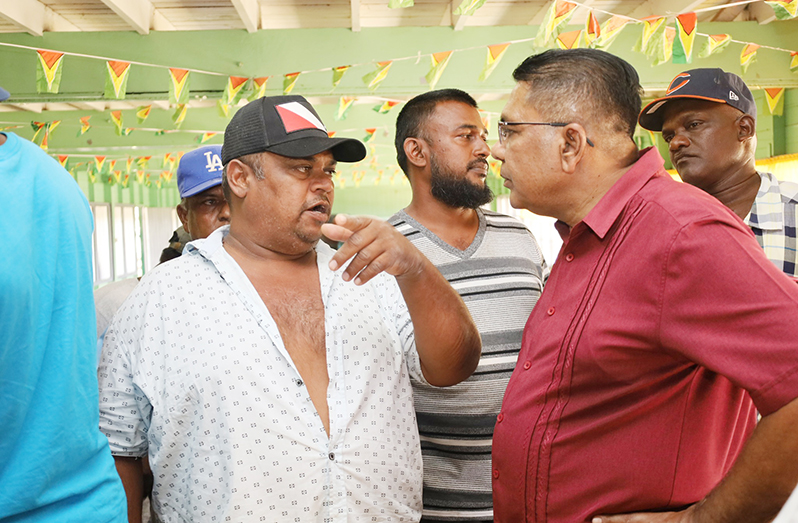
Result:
323,182
498,151
482,150
224,213
678,141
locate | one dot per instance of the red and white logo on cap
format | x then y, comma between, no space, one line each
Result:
297,117
678,82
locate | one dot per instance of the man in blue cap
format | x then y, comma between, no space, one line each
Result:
54,462
708,119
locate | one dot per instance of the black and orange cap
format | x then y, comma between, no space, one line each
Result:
714,85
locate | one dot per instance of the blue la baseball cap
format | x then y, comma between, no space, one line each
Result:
199,170
4,95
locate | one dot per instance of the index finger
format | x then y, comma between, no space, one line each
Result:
356,241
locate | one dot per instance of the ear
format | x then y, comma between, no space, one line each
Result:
182,213
573,146
239,177
746,127
416,152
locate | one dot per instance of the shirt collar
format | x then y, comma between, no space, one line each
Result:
767,213
601,218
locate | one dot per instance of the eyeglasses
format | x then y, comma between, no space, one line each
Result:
504,125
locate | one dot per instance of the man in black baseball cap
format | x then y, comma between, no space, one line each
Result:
290,380
708,119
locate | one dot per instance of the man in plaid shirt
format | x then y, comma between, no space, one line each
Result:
708,119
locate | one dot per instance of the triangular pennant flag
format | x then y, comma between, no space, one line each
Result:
179,115
714,44
143,162
99,163
495,167
374,79
369,134
140,177
111,166
62,159
37,128
569,40
495,54
224,109
258,88
556,17
592,29
129,164
784,9
399,4
289,81
204,137
344,103
775,99
468,7
338,74
142,113
116,118
794,61
233,89
439,63
126,180
748,56
651,37
686,28
610,31
178,85
485,117
127,130
385,106
665,52
48,71
116,79
84,124
331,134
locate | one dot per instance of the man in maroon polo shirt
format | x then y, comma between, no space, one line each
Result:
661,330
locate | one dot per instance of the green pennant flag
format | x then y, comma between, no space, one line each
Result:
338,74
142,113
374,79
610,31
652,36
714,45
258,88
748,56
289,82
48,71
784,9
686,27
344,104
495,54
557,16
468,7
116,118
116,79
178,85
439,63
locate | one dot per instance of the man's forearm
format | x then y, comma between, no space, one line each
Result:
447,340
131,473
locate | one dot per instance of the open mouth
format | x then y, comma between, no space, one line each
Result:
321,209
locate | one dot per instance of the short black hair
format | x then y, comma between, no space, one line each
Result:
417,111
603,87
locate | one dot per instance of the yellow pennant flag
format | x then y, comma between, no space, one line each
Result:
62,159
592,29
794,61
652,35
557,16
128,164
116,79
665,52
142,113
569,40
233,88
178,85
610,31
686,26
99,162
439,63
748,56
784,9
495,54
338,74
180,115
206,136
258,88
344,103
289,81
369,135
116,118
715,44
84,124
48,71
374,79
775,99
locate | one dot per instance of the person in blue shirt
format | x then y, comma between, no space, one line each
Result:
55,464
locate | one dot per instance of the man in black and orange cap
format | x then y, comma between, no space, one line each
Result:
708,119
263,383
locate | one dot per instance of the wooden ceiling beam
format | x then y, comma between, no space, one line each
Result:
761,12
458,21
354,6
655,7
249,12
137,13
28,14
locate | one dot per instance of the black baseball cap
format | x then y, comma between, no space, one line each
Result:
714,85
284,125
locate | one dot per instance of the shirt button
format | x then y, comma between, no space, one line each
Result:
298,383
331,455
550,311
500,417
495,473
569,256
527,365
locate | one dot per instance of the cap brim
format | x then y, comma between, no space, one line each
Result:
4,95
651,116
343,149
201,187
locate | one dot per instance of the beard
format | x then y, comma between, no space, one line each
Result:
455,190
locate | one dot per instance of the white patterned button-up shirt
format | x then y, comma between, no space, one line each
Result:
773,220
194,373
